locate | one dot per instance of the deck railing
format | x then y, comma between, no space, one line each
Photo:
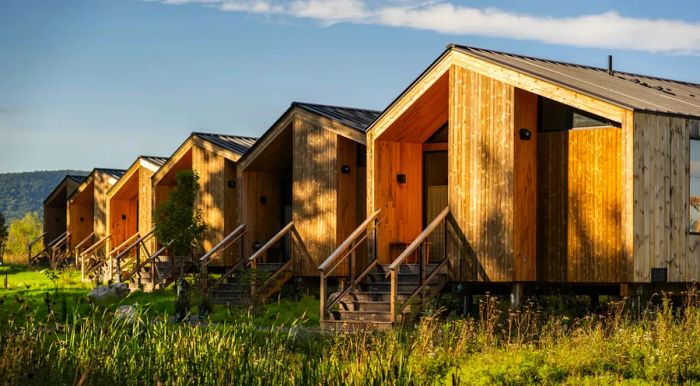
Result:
253,260
30,246
134,245
231,239
422,246
58,249
347,252
94,256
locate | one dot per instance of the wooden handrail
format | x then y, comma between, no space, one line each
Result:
232,237
96,245
140,264
349,240
57,240
419,240
272,241
138,241
127,241
36,240
85,240
180,264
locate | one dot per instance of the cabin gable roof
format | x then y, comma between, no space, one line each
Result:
345,121
64,181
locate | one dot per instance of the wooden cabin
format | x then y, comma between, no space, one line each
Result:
305,177
86,218
129,203
494,169
213,157
55,208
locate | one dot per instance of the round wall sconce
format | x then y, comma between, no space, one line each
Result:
401,178
232,184
345,169
525,134
263,200
123,217
82,219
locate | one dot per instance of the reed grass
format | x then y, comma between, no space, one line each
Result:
660,346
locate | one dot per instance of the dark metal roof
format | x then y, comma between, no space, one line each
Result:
75,177
234,143
358,119
116,173
156,161
72,177
624,89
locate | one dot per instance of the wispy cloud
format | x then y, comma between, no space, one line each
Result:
602,30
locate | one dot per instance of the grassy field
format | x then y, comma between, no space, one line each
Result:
275,346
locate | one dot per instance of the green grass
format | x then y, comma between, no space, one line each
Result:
529,346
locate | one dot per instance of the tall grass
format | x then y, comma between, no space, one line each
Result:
500,346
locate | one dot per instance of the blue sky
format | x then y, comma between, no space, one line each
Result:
94,83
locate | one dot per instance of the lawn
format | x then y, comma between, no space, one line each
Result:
528,346
24,290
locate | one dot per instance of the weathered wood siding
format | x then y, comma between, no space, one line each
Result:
145,200
579,230
661,198
102,185
214,173
315,199
480,195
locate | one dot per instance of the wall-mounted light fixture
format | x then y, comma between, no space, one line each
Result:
401,178
231,184
82,219
123,217
525,134
263,200
345,169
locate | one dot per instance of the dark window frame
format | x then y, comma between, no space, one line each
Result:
690,160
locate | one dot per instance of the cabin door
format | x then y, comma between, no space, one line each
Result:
434,197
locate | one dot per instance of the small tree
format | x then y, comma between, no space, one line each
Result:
3,236
21,233
177,219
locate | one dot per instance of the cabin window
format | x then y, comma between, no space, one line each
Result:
694,207
555,116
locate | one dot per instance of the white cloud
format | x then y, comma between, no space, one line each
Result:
603,30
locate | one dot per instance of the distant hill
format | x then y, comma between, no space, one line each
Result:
25,192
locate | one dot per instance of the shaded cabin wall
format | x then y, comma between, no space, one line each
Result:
314,195
55,212
123,220
214,173
661,154
480,193
262,219
80,215
580,190
400,203
525,187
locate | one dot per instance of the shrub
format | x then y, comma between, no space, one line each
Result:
21,233
177,219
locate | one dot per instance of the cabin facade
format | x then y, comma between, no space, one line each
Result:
495,169
55,208
86,216
307,170
213,157
129,209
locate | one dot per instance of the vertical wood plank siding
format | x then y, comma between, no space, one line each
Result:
315,201
661,198
481,172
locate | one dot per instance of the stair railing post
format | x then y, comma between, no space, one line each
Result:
119,269
392,296
322,297
352,266
82,267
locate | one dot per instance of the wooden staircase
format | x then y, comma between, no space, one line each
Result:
379,296
147,271
252,280
55,254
